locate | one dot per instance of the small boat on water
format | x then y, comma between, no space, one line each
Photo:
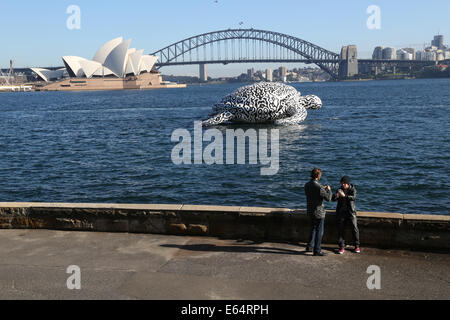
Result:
19,88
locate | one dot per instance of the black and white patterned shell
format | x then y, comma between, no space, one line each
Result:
263,102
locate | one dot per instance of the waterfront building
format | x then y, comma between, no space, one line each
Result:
378,53
440,55
412,51
420,55
429,55
389,53
438,42
113,59
269,75
426,55
283,73
250,72
403,55
115,66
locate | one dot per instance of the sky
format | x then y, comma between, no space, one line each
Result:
35,33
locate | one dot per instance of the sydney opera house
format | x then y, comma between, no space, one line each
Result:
115,66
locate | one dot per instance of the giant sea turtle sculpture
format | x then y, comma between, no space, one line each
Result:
263,102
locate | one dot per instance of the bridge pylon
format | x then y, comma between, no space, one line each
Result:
348,65
203,75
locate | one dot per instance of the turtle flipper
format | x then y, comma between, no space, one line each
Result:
218,119
293,118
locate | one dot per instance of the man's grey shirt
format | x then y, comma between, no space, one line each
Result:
315,194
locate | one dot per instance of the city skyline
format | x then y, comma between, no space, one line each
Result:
40,36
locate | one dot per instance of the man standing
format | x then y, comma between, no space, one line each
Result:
315,194
346,212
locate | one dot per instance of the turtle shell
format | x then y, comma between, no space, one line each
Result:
259,102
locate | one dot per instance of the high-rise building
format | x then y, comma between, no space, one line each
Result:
283,73
378,53
438,42
269,75
412,51
404,55
429,56
420,55
344,54
389,53
440,55
250,72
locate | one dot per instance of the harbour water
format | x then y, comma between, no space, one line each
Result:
390,137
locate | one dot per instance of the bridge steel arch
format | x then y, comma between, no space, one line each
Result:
325,59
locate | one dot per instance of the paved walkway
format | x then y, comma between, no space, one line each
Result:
33,265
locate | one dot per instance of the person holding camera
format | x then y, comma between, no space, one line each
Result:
315,194
346,212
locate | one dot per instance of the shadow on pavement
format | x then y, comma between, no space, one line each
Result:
238,248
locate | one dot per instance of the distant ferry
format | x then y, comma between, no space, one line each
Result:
21,88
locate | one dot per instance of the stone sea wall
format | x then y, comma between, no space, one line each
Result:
382,230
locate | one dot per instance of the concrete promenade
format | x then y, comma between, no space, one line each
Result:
33,265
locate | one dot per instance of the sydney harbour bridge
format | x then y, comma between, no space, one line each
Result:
261,46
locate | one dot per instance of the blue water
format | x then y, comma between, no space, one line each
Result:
390,137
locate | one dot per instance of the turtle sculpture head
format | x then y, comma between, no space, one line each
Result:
263,102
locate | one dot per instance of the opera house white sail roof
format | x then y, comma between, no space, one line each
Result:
114,58
48,75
